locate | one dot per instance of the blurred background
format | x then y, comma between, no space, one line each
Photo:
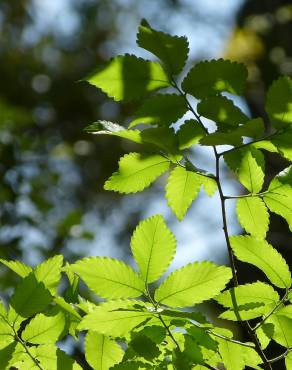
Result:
52,173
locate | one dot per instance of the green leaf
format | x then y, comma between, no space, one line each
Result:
202,338
50,357
6,331
6,355
253,216
44,329
237,357
160,110
110,128
153,247
288,361
222,111
248,301
279,328
212,77
136,172
171,50
222,138
155,138
209,185
282,141
49,272
101,352
116,318
182,188
189,134
263,338
232,355
254,128
278,103
144,347
30,297
262,255
127,77
17,266
278,198
193,284
251,172
109,277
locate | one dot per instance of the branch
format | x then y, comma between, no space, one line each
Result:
278,358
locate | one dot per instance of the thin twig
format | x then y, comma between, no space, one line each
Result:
278,358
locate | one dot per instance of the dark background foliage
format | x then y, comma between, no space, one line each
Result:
52,172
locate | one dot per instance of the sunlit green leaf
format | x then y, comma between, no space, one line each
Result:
215,76
49,272
44,329
171,50
253,216
160,110
251,172
222,111
262,255
278,198
109,277
182,188
18,267
193,284
136,172
153,247
279,102
101,352
189,133
116,318
248,301
127,77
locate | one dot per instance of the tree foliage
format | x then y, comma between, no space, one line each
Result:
141,325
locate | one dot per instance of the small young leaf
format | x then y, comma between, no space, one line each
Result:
189,134
262,255
193,284
248,301
251,172
115,318
278,103
101,352
222,111
110,128
253,216
278,198
136,172
182,188
17,266
171,50
109,278
153,247
160,110
212,77
44,329
127,77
